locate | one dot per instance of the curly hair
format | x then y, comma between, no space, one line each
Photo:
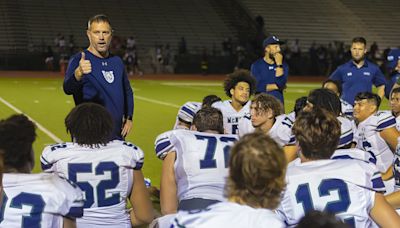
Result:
90,125
264,102
17,134
299,104
318,133
239,76
257,168
326,99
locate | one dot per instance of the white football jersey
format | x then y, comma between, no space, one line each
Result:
396,164
369,139
105,174
345,187
292,116
245,126
186,112
398,123
227,214
347,109
355,153
347,130
201,164
38,200
231,116
281,131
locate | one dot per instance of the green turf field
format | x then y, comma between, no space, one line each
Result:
156,106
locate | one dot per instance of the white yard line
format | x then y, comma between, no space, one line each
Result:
156,101
47,132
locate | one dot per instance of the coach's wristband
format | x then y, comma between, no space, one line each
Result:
279,66
129,117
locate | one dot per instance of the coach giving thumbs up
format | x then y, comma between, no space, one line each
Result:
85,67
108,83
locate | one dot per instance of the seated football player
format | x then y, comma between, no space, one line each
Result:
195,163
336,87
348,188
257,168
109,172
33,200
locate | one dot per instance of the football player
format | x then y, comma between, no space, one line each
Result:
33,200
195,163
336,87
266,115
326,99
347,188
109,172
239,86
376,133
256,179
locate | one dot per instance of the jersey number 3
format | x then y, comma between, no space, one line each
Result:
36,203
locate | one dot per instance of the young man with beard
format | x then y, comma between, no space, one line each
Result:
239,86
359,74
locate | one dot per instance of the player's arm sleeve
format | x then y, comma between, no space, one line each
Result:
134,158
386,120
74,199
71,85
377,182
128,93
163,145
46,161
282,80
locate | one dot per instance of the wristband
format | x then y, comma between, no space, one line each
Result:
129,117
279,65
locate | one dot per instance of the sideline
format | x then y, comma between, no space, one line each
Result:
43,129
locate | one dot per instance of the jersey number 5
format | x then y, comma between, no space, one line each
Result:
101,187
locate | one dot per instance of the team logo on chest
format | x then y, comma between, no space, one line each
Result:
108,76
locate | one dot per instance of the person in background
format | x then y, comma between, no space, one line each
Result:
271,71
358,74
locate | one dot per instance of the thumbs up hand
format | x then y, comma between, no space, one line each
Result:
85,67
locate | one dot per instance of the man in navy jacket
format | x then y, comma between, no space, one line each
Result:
95,75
